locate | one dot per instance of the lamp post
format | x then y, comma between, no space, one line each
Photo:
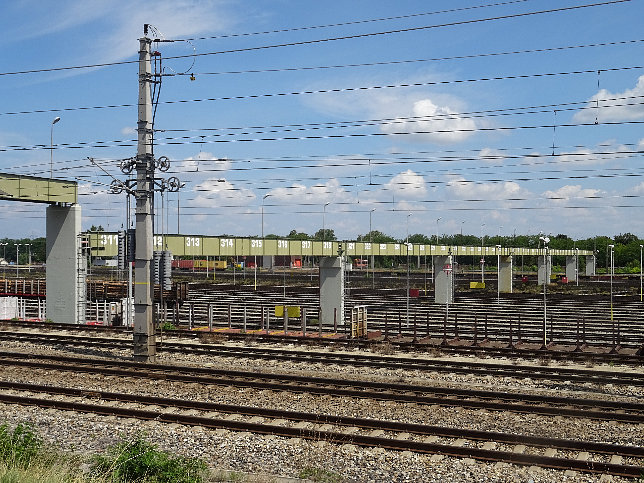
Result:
324,222
498,274
28,245
408,245
51,147
641,272
545,240
431,255
373,268
263,198
4,258
577,266
482,256
612,271
17,245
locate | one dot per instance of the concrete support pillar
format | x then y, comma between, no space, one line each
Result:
505,273
571,268
331,290
544,268
64,284
591,263
443,279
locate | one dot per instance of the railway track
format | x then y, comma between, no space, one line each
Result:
482,445
536,372
606,410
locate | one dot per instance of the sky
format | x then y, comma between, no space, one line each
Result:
484,117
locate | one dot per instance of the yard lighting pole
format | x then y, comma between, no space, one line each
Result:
498,274
373,267
641,272
51,147
612,271
324,222
545,240
409,246
17,245
263,198
29,259
577,266
431,255
4,258
482,256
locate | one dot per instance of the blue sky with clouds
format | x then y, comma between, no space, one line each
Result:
428,109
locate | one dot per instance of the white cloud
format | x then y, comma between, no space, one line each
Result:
118,23
431,123
615,110
491,155
407,184
329,192
569,192
205,161
464,189
218,191
128,131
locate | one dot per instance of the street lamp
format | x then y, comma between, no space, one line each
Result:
51,147
612,271
482,256
373,268
431,255
408,245
641,272
29,259
4,257
264,197
17,245
498,274
324,222
545,240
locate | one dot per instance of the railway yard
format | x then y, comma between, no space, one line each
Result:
473,396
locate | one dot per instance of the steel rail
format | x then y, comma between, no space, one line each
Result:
473,399
494,369
334,437
317,418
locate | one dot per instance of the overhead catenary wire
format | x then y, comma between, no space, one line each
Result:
337,90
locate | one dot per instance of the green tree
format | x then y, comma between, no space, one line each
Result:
325,234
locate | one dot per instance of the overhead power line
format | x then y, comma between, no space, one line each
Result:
262,47
356,22
412,61
344,89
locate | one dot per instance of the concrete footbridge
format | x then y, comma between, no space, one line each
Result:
332,256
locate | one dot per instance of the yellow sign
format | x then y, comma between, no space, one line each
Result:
477,284
292,311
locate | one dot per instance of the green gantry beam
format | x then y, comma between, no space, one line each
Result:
105,244
32,189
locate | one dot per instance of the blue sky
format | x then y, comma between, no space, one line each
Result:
481,155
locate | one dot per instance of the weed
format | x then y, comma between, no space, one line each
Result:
139,460
319,475
384,348
212,337
544,361
168,326
18,448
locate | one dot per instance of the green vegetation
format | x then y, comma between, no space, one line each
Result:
319,475
168,326
25,458
18,448
139,460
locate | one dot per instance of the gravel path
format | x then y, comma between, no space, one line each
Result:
270,457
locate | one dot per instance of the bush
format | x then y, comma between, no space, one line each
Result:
18,448
168,326
139,460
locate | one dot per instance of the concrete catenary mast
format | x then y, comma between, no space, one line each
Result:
144,328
